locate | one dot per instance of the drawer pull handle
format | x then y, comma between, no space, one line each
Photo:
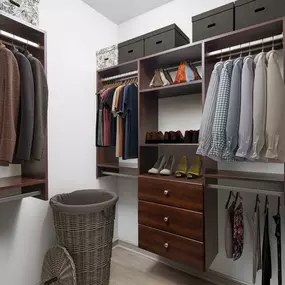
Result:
259,9
159,42
106,58
166,192
166,245
166,219
130,51
212,25
15,3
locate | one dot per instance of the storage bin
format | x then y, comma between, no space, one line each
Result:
107,57
164,39
213,23
131,50
26,10
252,12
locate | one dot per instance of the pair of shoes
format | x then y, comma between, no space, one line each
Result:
154,137
173,137
194,170
161,78
163,166
191,136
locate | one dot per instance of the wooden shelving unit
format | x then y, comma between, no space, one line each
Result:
19,181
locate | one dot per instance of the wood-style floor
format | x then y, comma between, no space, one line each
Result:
130,268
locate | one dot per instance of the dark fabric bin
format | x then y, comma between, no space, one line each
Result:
84,224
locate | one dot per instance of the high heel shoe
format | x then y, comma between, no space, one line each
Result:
195,170
168,167
182,168
158,165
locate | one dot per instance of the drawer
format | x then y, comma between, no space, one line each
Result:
248,13
172,193
173,247
107,57
212,23
131,50
173,220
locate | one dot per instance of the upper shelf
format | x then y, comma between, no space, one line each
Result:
193,87
18,181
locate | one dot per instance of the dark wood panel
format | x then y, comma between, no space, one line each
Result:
172,193
174,220
171,246
18,181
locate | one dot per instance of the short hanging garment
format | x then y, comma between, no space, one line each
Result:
245,125
218,144
277,220
266,254
256,245
238,236
275,130
229,230
259,105
209,111
234,111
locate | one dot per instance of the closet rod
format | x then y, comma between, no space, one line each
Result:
247,190
250,46
20,196
119,174
126,75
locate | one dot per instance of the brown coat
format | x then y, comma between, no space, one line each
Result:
9,104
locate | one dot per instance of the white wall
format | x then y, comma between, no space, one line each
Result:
75,32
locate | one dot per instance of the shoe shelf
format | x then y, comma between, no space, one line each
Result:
189,88
170,144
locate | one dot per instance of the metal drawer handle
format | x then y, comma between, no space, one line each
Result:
259,9
212,25
159,42
166,219
130,51
15,3
166,192
166,245
106,58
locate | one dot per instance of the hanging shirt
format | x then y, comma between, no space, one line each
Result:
234,111
209,111
218,144
238,234
245,124
259,105
275,130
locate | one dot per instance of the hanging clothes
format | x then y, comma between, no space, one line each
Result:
205,137
218,144
275,131
277,220
256,244
245,125
9,102
234,111
238,235
229,212
266,252
259,105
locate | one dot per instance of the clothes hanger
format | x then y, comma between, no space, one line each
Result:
266,205
230,56
273,47
262,47
221,55
236,200
279,205
257,201
229,199
249,49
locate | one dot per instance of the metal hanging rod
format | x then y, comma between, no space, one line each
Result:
120,76
247,190
120,175
250,46
19,197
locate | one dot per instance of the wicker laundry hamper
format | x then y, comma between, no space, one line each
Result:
84,224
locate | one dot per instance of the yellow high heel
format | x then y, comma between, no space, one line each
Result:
182,168
195,170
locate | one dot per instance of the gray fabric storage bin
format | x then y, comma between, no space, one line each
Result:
213,23
26,10
84,224
131,50
252,12
163,39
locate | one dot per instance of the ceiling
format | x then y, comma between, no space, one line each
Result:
120,11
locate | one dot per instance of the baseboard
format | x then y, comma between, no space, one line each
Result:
210,275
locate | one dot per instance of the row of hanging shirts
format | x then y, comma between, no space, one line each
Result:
244,114
234,236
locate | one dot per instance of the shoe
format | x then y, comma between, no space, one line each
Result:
167,137
158,165
182,168
179,137
195,137
195,170
160,137
148,137
168,167
188,138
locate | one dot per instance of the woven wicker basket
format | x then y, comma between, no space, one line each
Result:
84,223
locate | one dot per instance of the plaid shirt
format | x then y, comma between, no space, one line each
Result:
221,115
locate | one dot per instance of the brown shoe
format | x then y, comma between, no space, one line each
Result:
167,137
160,137
148,137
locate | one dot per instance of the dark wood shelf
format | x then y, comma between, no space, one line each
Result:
193,87
114,165
170,144
18,181
247,176
197,181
